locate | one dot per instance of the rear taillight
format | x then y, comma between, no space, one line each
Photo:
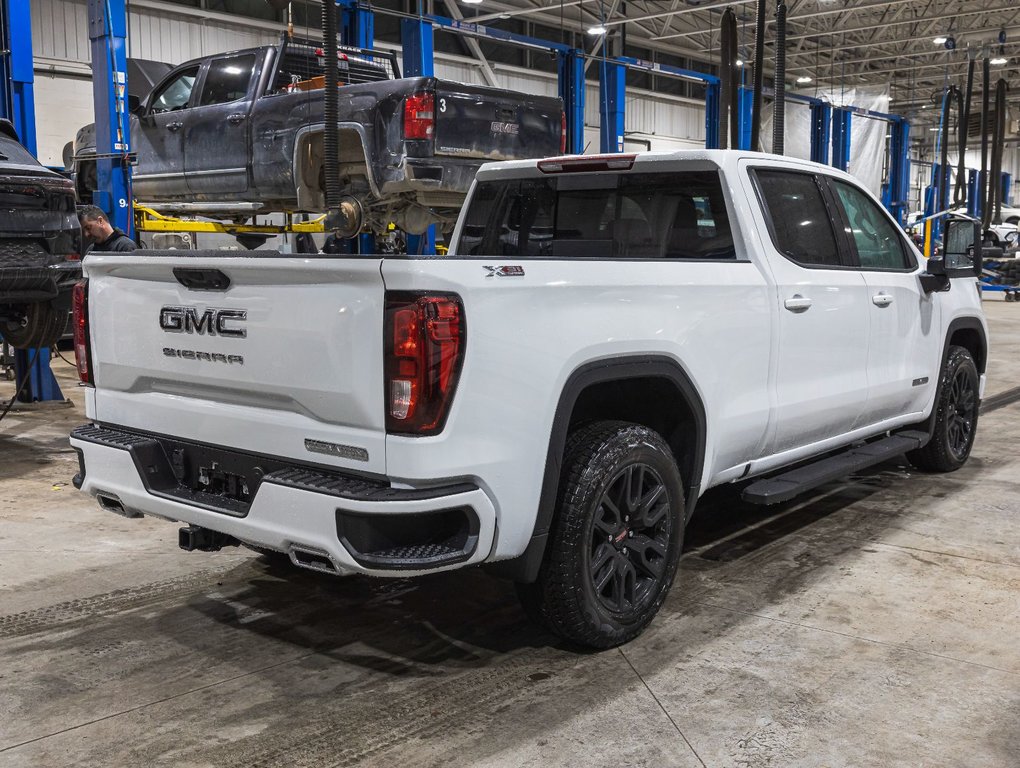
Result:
73,256
419,116
563,133
82,353
424,351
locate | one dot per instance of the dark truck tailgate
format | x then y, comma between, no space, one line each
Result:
490,123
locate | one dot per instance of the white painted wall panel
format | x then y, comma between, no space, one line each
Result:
62,105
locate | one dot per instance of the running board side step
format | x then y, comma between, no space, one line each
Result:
780,488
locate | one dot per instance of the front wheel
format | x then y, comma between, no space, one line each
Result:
616,539
956,417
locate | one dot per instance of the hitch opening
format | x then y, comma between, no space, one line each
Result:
193,537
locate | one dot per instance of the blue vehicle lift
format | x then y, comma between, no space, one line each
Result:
17,104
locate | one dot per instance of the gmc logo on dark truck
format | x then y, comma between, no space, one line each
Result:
211,321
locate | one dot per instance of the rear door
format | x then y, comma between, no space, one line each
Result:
286,361
821,384
217,130
475,121
158,137
904,340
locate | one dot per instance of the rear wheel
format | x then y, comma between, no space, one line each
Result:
615,543
956,417
35,326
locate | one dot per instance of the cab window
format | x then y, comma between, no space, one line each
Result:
798,217
877,240
175,94
227,79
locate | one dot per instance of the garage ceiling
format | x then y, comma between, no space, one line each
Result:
839,41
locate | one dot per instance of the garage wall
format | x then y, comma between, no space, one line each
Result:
63,103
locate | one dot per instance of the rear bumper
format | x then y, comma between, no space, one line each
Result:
324,520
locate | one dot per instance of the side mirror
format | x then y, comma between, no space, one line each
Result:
962,246
134,105
935,279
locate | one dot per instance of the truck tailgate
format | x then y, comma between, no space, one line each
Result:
287,361
477,121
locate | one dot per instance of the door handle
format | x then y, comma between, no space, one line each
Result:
881,299
235,118
798,303
174,127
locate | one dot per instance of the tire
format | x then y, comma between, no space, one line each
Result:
42,327
956,418
616,539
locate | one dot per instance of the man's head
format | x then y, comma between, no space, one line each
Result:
94,224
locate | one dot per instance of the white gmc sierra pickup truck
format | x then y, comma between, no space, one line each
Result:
609,337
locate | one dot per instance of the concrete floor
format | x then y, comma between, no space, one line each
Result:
874,624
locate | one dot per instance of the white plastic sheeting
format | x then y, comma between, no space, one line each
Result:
867,135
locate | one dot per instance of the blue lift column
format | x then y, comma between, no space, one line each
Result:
416,38
841,138
821,132
899,170
712,92
612,104
745,102
17,104
108,34
357,28
1007,184
571,89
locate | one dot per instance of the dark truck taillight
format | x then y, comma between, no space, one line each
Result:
563,133
82,353
424,350
419,115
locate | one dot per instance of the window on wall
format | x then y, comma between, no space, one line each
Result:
799,220
878,241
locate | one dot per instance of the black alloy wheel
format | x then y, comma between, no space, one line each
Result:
629,539
961,414
956,416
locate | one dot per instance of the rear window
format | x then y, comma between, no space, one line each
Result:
12,152
227,79
610,216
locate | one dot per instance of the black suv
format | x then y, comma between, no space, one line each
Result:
40,246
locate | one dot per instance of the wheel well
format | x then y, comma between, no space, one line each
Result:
971,340
655,402
308,163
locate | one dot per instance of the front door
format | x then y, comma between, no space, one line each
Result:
821,380
904,348
158,139
217,130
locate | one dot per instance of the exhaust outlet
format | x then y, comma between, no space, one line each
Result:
111,503
313,560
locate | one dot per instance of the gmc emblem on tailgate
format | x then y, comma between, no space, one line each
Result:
211,321
512,129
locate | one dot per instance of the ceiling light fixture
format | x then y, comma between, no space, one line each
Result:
471,2
803,79
598,29
740,62
999,61
939,41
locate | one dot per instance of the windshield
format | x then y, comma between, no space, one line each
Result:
618,216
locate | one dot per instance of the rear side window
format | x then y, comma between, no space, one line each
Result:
227,79
610,216
798,219
878,241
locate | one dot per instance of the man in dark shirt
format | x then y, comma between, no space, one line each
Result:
103,236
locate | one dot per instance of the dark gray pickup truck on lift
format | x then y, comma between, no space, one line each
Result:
241,133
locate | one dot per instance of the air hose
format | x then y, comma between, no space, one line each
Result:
960,191
951,98
779,104
331,110
759,74
982,190
729,125
993,211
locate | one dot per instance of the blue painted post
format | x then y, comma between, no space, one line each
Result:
612,105
416,36
899,170
1007,184
571,90
821,132
108,33
16,76
973,204
841,138
712,91
745,102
